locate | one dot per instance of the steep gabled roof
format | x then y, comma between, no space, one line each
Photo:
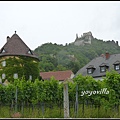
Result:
58,75
99,62
117,62
104,64
16,46
91,66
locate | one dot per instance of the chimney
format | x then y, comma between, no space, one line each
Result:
8,38
102,55
107,55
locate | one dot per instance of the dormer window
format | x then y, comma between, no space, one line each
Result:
117,65
3,50
103,67
30,52
90,69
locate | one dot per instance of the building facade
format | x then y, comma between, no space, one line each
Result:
98,66
17,60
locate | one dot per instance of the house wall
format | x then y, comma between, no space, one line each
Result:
99,78
20,66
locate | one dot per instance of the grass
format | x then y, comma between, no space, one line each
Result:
56,112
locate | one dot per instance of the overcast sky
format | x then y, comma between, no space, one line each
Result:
39,22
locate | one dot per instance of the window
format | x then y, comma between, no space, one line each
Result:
3,76
0,80
4,63
89,71
117,67
102,69
30,52
30,77
3,50
15,76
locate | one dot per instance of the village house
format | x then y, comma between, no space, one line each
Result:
58,75
17,60
98,66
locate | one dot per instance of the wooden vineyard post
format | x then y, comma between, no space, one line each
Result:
66,100
16,99
76,103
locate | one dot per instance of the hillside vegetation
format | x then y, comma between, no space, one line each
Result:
55,57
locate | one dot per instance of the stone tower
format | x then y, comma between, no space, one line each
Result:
84,39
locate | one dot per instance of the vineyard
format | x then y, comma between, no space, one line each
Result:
88,98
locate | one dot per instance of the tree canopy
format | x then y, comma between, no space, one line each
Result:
55,57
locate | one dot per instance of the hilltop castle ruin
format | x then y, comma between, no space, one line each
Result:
84,39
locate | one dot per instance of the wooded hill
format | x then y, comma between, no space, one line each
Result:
54,57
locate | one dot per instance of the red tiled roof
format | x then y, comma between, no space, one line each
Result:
16,46
58,75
